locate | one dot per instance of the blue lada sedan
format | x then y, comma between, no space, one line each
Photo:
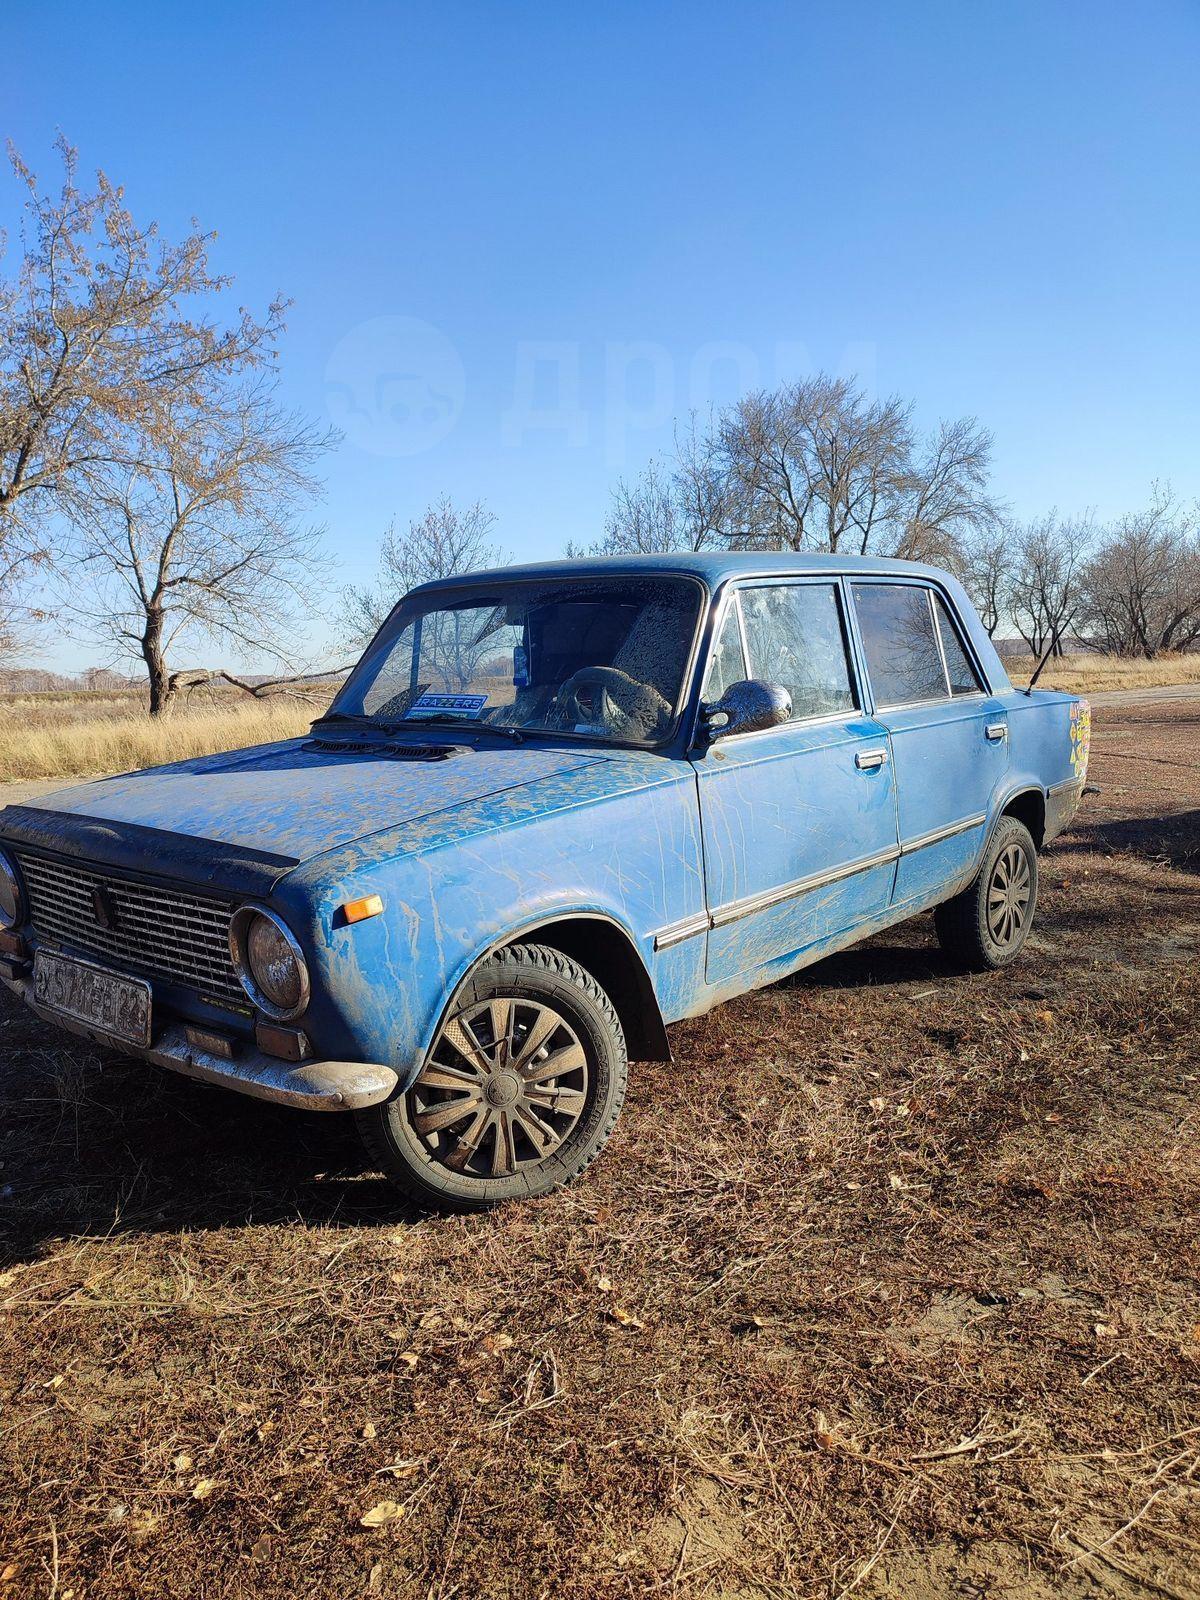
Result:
554,809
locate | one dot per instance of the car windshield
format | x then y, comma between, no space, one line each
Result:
596,658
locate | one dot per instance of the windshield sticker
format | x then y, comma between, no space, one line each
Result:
467,706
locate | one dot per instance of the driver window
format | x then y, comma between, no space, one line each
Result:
728,663
795,636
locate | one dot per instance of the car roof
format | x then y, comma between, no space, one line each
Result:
713,567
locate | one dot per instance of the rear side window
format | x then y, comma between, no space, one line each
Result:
962,675
903,656
795,637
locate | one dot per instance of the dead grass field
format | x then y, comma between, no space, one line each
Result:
1093,674
889,1286
55,737
63,734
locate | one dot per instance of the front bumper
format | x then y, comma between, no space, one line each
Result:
308,1085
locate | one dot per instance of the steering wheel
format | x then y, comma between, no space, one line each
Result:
607,698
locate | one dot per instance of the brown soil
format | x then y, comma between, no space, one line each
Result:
890,1286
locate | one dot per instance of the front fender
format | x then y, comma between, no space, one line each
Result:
380,986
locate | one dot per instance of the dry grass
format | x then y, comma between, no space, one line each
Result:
68,734
1094,674
70,738
887,1287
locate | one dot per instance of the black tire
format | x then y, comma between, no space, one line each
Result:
979,929
488,1064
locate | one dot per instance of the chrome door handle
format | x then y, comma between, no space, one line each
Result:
870,760
995,731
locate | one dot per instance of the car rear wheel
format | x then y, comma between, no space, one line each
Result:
987,925
520,1092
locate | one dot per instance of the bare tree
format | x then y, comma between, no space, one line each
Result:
1044,595
690,504
814,465
646,517
763,444
985,565
442,543
18,565
821,467
104,335
643,519
1141,590
945,500
203,539
711,499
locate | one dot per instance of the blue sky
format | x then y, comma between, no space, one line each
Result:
520,240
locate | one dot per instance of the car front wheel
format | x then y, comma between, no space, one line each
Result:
987,925
519,1093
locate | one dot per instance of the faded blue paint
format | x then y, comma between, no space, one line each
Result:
784,806
472,851
298,802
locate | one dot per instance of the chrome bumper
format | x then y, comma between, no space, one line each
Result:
308,1085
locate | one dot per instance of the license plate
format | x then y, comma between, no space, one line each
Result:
117,1006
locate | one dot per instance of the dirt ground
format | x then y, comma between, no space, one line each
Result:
889,1286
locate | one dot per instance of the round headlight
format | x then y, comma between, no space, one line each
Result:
269,963
12,903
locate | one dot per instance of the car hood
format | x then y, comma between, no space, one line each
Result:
292,802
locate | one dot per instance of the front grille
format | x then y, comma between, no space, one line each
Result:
155,931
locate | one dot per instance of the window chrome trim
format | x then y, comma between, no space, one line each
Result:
941,643
735,605
826,717
941,700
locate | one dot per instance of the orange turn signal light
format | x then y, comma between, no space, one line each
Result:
370,905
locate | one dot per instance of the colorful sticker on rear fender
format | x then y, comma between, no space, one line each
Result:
1081,737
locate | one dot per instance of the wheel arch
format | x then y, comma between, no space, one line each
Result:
605,948
1028,805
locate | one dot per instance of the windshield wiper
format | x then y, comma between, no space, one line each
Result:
444,719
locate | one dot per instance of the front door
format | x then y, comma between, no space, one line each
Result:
799,821
949,736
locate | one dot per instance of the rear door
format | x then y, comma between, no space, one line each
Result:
949,734
799,821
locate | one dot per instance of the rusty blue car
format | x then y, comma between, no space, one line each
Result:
553,810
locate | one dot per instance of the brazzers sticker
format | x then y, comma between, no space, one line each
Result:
467,706
1081,737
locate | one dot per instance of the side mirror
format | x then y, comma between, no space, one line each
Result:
747,707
